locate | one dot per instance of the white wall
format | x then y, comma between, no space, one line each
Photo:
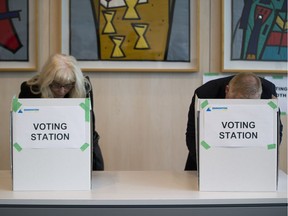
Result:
141,117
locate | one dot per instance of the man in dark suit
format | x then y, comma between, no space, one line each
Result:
240,86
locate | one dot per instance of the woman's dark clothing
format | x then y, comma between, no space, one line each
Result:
212,90
98,162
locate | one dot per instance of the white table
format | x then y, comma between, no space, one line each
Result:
142,193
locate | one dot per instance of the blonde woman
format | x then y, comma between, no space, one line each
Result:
61,77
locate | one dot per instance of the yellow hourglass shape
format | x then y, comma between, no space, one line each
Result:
131,12
109,28
117,52
141,29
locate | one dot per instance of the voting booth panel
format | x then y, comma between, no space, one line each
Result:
51,144
237,144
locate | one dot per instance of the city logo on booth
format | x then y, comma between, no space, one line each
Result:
216,108
28,110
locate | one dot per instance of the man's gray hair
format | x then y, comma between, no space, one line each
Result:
247,84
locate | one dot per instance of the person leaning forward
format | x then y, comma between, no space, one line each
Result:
244,85
61,77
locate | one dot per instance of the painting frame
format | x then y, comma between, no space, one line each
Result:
32,63
137,66
228,65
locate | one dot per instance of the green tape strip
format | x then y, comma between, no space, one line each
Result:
211,74
204,104
272,105
15,104
17,147
271,146
277,77
205,145
86,108
84,146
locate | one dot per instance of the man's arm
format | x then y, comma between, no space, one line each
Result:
269,92
191,163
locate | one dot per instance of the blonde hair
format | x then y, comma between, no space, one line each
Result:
62,69
247,84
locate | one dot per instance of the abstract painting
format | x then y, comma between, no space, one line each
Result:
126,34
254,35
17,24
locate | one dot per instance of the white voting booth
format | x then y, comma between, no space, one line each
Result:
51,144
237,144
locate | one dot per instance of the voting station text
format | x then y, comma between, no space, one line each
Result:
56,131
238,134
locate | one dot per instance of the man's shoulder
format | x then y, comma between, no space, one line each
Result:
213,88
220,81
267,83
268,89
